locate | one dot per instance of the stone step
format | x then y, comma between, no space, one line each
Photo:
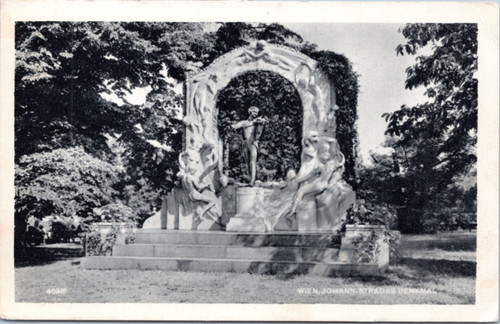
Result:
295,239
280,253
231,265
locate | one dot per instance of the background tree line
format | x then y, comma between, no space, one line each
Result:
76,151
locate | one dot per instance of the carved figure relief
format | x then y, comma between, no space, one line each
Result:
315,97
200,198
320,175
262,52
199,119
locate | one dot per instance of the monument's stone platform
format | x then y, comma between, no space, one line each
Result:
281,238
212,251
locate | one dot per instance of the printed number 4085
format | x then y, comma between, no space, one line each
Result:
56,291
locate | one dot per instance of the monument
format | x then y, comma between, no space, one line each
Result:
314,200
289,225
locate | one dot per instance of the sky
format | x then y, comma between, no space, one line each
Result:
371,48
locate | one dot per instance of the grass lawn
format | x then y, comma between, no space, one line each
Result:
430,275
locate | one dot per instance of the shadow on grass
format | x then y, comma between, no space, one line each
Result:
40,256
440,267
439,241
31,261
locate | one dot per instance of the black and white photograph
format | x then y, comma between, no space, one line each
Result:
187,163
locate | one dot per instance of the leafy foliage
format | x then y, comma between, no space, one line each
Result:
420,206
435,141
99,243
115,212
372,214
96,244
63,71
367,247
232,35
63,181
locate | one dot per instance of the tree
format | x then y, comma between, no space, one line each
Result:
437,139
65,182
448,122
391,179
64,68
382,181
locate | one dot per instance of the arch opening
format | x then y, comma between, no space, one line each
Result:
280,143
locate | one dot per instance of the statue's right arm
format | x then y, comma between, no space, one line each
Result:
243,123
236,126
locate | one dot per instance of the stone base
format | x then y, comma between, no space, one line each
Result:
268,267
306,215
355,233
209,225
246,224
218,251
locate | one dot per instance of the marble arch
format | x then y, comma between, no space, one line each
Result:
316,92
313,199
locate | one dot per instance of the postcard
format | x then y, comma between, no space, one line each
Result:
249,161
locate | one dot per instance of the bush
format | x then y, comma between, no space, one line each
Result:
115,213
367,247
64,182
97,244
372,214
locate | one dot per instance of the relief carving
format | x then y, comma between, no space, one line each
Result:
264,53
320,177
315,96
202,106
200,198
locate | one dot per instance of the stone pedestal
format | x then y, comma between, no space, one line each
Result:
355,233
171,208
249,211
228,199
